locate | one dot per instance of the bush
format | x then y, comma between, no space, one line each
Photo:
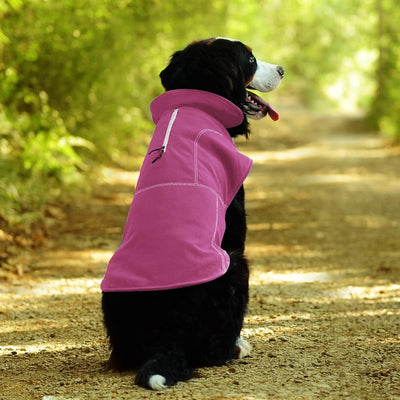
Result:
76,80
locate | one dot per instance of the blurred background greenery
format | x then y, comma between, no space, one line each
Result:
77,77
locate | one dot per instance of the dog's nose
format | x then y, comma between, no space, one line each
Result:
281,71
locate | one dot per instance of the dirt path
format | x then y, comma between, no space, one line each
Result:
324,243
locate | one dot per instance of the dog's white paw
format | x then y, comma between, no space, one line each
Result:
244,347
157,382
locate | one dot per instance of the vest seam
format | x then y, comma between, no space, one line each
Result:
182,184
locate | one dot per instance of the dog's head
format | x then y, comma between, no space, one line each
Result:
225,67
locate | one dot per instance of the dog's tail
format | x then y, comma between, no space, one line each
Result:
164,369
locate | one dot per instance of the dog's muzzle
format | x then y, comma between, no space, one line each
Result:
266,78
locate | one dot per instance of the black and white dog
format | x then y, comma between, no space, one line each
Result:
167,310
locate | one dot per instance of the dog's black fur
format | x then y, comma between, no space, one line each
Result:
172,332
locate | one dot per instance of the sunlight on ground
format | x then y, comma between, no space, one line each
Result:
326,148
73,259
25,325
297,277
260,157
331,178
260,249
345,292
59,287
367,292
271,320
372,221
60,398
270,226
39,347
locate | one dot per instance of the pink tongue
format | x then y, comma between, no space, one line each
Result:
272,113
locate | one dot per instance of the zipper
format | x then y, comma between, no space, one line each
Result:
163,148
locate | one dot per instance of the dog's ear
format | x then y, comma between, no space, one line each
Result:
174,69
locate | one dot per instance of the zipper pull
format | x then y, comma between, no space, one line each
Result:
161,150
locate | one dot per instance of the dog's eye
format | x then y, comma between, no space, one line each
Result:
252,59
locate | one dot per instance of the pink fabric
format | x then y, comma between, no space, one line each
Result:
176,221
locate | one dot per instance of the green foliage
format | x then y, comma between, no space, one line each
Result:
316,40
77,77
37,156
76,80
385,110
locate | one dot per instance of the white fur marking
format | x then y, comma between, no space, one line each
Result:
157,382
266,78
244,347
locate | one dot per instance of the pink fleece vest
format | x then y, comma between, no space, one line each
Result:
176,221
